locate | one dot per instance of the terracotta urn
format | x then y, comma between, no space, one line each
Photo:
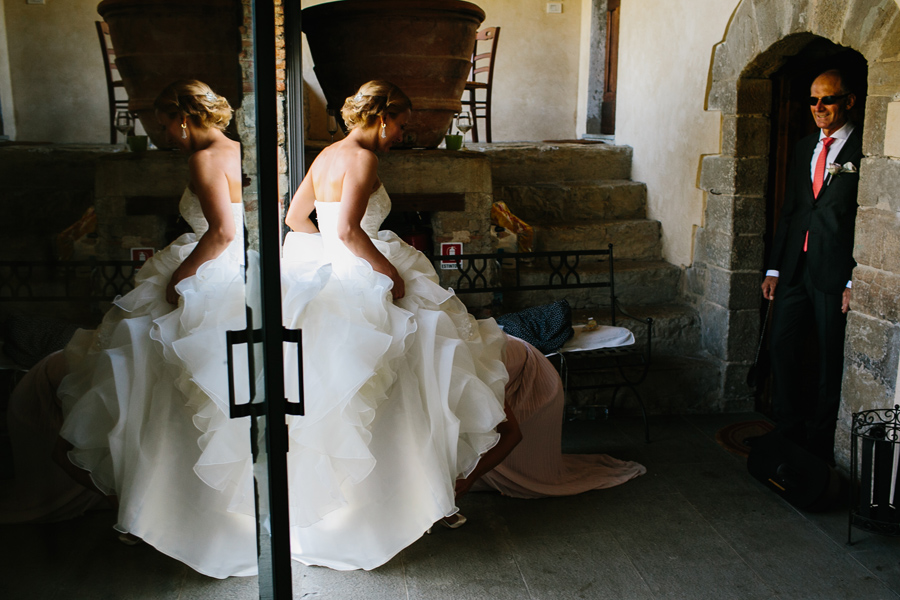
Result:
422,46
157,42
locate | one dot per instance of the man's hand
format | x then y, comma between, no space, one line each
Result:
845,301
768,287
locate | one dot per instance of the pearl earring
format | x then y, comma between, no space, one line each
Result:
383,134
184,131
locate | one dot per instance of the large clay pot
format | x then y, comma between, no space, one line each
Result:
159,41
422,46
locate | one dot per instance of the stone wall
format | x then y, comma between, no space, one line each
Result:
724,280
246,119
136,202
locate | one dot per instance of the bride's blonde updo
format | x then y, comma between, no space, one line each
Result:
373,100
194,99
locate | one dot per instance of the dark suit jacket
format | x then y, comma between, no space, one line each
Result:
830,219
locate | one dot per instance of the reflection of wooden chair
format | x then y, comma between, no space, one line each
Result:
482,64
112,83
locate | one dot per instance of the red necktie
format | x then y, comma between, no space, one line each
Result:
819,176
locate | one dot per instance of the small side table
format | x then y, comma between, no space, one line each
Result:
874,459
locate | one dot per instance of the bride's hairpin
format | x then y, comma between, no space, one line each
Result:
358,97
211,96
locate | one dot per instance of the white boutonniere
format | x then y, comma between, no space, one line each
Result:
835,169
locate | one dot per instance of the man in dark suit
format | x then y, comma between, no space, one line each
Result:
811,266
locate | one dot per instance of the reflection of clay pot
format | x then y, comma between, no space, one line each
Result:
160,41
422,46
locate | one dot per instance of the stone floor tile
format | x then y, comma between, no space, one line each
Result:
728,581
582,566
63,560
669,532
695,526
472,562
883,562
727,491
798,560
388,582
198,587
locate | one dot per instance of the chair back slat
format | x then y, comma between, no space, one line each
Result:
483,66
112,82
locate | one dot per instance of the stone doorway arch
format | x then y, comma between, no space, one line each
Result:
724,279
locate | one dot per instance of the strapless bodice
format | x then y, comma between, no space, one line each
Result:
192,212
327,214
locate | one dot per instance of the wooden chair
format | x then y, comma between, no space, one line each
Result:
112,83
482,65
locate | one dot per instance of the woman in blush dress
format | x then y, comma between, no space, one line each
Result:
531,464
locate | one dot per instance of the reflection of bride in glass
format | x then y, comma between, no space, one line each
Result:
403,388
145,401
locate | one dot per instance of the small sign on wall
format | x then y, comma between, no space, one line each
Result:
141,254
450,248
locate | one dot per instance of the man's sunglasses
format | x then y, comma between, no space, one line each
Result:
827,99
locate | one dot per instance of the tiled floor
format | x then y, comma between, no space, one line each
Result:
695,526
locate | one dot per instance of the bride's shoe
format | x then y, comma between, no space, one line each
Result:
453,521
129,539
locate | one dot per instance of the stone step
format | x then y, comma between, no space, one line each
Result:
637,283
524,162
575,200
635,239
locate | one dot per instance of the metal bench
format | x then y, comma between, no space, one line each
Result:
603,368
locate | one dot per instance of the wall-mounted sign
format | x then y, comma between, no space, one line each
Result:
141,254
450,248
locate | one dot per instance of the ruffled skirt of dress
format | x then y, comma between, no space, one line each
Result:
401,400
537,468
145,405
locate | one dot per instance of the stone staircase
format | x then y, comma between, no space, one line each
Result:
580,196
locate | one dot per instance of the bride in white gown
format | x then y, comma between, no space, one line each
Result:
145,401
403,388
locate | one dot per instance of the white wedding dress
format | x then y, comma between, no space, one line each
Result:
401,400
401,397
145,405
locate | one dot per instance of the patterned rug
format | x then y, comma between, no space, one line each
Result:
731,437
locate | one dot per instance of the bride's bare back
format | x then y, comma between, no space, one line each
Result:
347,172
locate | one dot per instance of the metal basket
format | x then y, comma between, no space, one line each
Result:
874,457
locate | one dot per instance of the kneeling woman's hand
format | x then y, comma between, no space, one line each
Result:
399,289
171,294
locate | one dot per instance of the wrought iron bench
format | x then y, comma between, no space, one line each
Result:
610,368
89,284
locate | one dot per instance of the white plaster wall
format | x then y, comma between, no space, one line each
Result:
536,73
6,96
665,51
535,77
56,71
584,58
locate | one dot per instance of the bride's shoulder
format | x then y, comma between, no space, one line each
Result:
348,150
224,152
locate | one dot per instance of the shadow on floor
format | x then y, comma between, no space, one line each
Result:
696,526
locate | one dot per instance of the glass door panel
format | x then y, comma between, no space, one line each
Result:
256,353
